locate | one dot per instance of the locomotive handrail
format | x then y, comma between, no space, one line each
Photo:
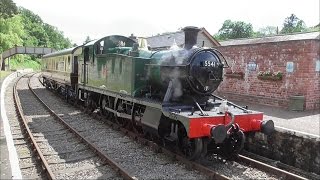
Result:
232,119
199,107
232,104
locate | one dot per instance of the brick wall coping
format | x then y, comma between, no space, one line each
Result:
273,39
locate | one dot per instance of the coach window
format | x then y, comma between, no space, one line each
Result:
102,47
57,63
99,47
69,65
65,63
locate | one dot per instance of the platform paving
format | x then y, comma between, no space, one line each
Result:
5,162
9,160
307,122
4,159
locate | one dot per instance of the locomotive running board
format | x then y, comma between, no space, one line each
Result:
142,101
119,114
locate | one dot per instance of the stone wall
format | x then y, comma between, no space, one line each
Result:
273,57
300,151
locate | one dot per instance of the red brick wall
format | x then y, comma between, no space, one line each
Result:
304,80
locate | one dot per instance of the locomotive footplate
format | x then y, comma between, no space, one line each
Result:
199,125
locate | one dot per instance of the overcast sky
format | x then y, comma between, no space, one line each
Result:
98,18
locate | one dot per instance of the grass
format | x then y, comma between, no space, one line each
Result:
21,62
27,63
4,74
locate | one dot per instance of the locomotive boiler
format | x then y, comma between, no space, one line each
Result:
189,70
166,96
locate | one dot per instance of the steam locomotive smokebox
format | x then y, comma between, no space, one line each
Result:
296,103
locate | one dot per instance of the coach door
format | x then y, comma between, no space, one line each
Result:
84,77
74,74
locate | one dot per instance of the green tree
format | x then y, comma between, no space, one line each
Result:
41,34
314,28
56,38
268,30
293,24
11,31
27,29
235,29
35,32
7,9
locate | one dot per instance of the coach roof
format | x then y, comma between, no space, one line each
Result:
62,52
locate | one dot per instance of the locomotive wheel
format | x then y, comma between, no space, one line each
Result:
105,103
89,104
233,145
136,119
67,92
190,148
71,97
123,122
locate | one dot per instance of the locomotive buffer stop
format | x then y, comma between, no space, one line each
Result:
200,61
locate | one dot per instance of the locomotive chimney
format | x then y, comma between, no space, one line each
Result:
190,36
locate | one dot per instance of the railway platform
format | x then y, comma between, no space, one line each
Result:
9,161
301,122
5,163
5,166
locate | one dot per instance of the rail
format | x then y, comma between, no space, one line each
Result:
273,166
95,149
28,133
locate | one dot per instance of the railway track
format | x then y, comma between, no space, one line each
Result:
242,160
268,168
60,154
129,164
248,165
27,160
143,160
288,172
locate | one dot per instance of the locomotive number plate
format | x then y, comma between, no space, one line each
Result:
208,64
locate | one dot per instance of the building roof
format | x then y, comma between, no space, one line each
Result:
167,39
277,38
